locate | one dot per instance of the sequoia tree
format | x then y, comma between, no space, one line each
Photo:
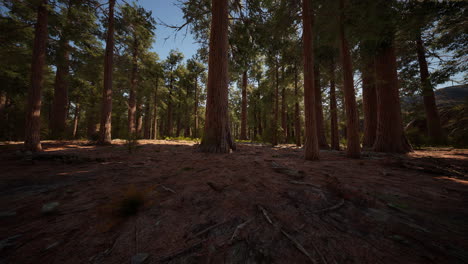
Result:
32,140
217,133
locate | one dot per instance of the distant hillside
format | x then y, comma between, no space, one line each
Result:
451,95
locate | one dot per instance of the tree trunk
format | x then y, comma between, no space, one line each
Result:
284,124
390,136
169,109
187,124
335,140
132,121
105,135
217,135
243,135
3,122
352,118
195,109
432,114
369,101
276,108
60,101
311,140
322,139
155,113
32,140
297,112
76,118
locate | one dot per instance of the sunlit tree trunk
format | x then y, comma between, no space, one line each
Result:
432,114
32,140
369,101
76,118
217,134
243,134
335,140
390,136
105,130
322,139
311,141
353,147
297,112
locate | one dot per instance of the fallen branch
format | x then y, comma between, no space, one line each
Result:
298,246
168,189
334,207
239,227
265,214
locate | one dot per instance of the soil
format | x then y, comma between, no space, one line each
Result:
257,205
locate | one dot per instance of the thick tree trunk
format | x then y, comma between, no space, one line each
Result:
217,134
432,114
297,112
195,109
352,118
60,101
139,120
76,118
390,136
322,139
311,141
369,101
32,140
147,119
335,139
243,135
132,107
105,134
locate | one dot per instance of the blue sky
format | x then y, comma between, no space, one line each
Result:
166,11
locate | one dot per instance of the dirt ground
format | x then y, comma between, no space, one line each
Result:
257,205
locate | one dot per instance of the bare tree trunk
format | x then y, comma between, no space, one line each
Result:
369,101
243,134
352,118
147,120
195,109
335,140
284,109
297,112
3,123
432,114
276,108
311,140
155,112
187,122
169,108
76,117
60,101
32,140
322,139
132,121
217,134
139,120
390,136
105,136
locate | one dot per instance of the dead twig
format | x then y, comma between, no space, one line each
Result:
334,207
265,214
168,189
181,252
238,228
298,246
208,229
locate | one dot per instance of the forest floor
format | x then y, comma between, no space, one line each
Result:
78,203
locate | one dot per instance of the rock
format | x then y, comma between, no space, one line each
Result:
50,208
140,258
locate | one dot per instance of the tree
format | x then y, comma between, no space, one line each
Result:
170,67
311,141
106,109
335,140
369,98
196,69
33,113
217,133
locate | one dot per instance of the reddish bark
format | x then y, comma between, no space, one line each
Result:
217,134
155,111
369,101
105,136
32,140
352,117
390,136
432,113
243,134
284,109
76,118
311,140
335,140
195,109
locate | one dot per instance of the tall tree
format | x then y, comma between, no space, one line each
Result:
32,140
322,139
243,135
334,135
369,99
352,118
105,136
311,141
217,133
